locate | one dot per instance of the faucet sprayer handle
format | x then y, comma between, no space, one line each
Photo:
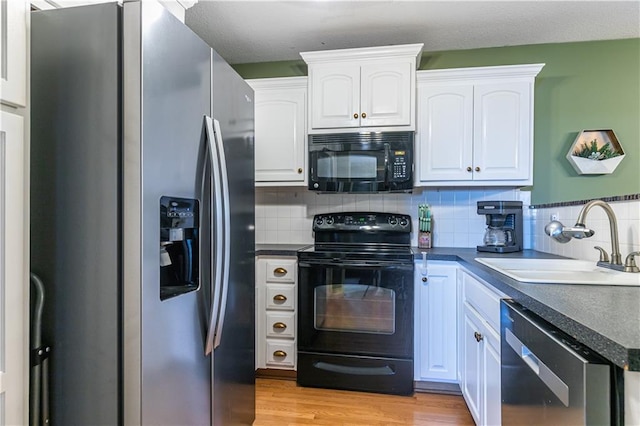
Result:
554,230
630,262
604,257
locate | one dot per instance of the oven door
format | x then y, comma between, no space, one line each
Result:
356,307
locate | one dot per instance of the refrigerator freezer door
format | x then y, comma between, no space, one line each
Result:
167,91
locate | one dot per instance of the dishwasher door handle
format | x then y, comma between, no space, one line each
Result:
548,377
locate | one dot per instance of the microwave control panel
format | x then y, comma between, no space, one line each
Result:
400,164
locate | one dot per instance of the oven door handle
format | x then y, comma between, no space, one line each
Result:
352,264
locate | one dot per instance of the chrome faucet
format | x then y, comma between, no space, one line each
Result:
563,234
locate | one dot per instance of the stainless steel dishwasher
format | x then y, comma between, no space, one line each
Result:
547,377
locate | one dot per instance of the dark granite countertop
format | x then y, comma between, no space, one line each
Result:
604,318
279,249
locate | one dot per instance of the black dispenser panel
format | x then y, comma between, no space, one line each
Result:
179,242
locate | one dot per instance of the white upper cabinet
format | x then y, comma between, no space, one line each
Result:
336,96
385,94
445,130
362,89
475,126
503,131
13,52
280,131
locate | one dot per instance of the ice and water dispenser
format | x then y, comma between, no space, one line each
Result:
179,241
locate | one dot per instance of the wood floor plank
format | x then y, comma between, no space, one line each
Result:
283,403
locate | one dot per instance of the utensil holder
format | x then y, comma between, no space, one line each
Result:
424,240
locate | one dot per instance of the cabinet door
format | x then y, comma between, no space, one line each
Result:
335,96
385,94
13,52
445,132
280,135
436,323
13,286
502,131
472,364
491,379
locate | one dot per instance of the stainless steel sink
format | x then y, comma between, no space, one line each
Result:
559,271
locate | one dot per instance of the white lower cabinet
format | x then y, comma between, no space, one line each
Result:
492,399
480,350
435,322
276,302
471,363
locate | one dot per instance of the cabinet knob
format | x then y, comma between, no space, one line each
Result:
279,354
364,115
477,169
355,115
299,170
469,169
279,298
280,325
424,279
279,272
478,336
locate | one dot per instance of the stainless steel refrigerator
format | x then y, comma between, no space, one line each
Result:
142,219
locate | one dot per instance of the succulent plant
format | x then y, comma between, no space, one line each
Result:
592,152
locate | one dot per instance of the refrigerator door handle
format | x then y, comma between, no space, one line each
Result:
226,230
215,200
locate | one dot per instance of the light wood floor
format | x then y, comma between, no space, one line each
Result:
283,403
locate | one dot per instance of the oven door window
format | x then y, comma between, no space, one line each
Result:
354,308
350,165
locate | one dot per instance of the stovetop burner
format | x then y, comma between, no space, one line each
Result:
360,236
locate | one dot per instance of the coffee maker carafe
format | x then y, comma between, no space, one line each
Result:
504,226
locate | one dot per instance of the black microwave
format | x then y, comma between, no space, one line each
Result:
361,162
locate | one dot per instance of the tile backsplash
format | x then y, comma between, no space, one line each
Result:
628,217
284,216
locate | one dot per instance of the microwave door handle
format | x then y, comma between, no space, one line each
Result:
386,162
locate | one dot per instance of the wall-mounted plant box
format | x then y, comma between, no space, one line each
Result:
595,152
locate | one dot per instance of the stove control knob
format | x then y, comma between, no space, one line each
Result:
393,221
329,220
404,222
319,221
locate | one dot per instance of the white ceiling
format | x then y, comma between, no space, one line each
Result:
263,31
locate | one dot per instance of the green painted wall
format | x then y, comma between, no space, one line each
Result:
586,85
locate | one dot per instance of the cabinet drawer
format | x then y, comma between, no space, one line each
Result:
280,353
280,297
484,300
281,271
280,324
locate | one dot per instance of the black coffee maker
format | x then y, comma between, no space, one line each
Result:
504,226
